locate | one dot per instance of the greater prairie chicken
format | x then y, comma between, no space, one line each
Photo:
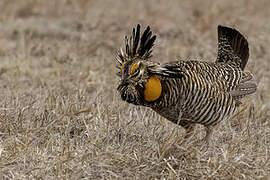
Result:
186,92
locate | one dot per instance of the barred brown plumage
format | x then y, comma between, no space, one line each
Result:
187,92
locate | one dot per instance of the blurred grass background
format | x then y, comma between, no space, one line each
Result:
60,114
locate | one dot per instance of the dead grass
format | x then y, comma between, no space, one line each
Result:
60,114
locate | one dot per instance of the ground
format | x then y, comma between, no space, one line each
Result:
62,118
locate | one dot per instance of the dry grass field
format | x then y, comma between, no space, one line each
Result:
60,114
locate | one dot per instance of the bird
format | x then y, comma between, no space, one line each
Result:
186,92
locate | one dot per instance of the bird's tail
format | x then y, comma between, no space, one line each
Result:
232,46
246,86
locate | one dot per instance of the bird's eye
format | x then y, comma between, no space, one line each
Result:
122,68
134,69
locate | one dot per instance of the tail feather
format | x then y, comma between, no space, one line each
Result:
232,47
246,86
244,89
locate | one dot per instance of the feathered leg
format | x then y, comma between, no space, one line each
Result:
189,130
208,135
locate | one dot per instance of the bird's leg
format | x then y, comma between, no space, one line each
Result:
208,131
243,108
189,130
189,127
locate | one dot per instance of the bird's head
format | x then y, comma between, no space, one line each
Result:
137,85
